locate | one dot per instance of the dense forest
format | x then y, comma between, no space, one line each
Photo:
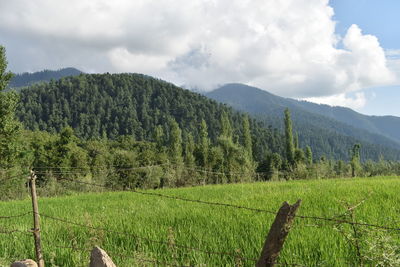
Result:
111,105
128,131
313,124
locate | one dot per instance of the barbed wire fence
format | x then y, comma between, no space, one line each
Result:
269,254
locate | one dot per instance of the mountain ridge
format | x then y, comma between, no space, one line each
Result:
305,114
29,78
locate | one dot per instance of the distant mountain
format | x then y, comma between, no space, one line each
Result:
315,124
388,126
25,79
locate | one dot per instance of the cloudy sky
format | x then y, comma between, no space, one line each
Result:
340,52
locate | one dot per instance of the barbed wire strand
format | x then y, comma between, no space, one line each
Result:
16,216
89,168
244,208
12,231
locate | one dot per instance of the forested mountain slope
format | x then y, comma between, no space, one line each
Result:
343,120
99,105
325,134
388,126
25,79
110,105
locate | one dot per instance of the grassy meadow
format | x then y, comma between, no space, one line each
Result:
211,228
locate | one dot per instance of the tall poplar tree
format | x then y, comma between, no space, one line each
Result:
355,160
175,142
247,136
204,145
289,139
226,127
309,156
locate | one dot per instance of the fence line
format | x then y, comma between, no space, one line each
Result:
9,178
16,216
145,238
12,231
204,202
270,212
384,227
102,167
144,167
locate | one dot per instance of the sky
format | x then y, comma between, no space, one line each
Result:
338,52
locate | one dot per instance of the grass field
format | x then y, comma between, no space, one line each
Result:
201,226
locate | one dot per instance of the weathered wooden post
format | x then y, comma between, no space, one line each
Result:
277,234
36,221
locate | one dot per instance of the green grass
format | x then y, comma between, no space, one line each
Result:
202,226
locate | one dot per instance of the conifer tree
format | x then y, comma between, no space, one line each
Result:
355,160
204,145
226,128
189,150
309,156
175,142
247,136
296,141
289,139
158,136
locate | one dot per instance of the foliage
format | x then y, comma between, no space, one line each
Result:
9,126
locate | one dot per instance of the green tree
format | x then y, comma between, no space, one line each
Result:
296,141
309,156
158,136
9,126
175,142
270,166
289,139
189,151
355,160
248,146
5,76
226,127
203,147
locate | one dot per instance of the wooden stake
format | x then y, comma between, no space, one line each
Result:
277,234
36,221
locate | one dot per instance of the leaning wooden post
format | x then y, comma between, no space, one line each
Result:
277,234
36,221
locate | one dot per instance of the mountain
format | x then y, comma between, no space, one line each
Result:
111,105
388,126
316,124
25,79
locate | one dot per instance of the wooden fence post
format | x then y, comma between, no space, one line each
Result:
36,221
277,234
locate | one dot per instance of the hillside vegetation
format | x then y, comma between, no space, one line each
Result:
328,130
111,105
133,219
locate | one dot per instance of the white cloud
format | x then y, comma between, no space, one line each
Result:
288,47
358,101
